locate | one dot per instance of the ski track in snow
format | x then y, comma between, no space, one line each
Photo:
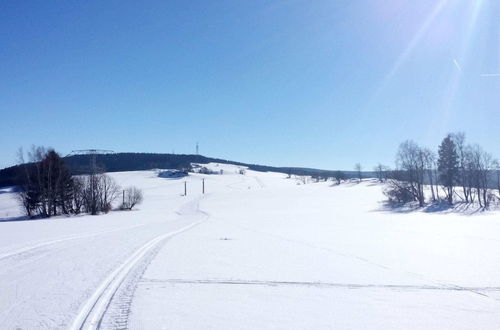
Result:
91,314
442,284
316,284
111,294
99,302
93,311
60,240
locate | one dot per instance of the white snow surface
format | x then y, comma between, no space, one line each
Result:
256,251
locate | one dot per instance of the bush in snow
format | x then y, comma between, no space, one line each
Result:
132,197
399,192
339,176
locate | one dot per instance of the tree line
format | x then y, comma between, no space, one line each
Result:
458,172
48,189
120,162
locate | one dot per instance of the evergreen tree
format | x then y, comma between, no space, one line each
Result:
448,166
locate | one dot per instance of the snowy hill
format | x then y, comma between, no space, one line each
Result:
257,250
120,162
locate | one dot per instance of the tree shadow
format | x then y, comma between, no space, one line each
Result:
457,207
20,218
373,182
8,190
439,207
396,207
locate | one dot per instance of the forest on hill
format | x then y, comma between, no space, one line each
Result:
121,162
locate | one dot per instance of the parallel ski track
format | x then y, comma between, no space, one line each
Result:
60,240
90,316
92,313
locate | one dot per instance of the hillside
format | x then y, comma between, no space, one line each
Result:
121,162
256,251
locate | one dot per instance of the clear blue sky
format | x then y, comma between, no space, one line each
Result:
320,84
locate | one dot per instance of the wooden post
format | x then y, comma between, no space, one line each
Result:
123,197
203,186
185,188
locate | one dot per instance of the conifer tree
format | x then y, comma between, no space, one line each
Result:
448,166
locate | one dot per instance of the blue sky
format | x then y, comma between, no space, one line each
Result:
320,84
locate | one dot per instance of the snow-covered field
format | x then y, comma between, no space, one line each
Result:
256,251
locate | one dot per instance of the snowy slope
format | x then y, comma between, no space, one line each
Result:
50,268
256,251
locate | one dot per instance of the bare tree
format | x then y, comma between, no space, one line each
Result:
381,172
91,194
458,164
133,196
398,189
32,189
108,191
430,168
49,189
46,188
99,192
411,162
77,194
358,168
469,173
23,194
481,168
339,176
496,165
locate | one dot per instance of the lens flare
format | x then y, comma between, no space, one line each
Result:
402,58
450,94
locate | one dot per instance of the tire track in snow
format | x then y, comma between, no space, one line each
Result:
92,313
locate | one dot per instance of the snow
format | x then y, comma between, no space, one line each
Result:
256,251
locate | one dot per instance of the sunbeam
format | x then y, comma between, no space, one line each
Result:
438,8
408,50
449,96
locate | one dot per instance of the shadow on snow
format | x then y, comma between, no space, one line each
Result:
434,207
